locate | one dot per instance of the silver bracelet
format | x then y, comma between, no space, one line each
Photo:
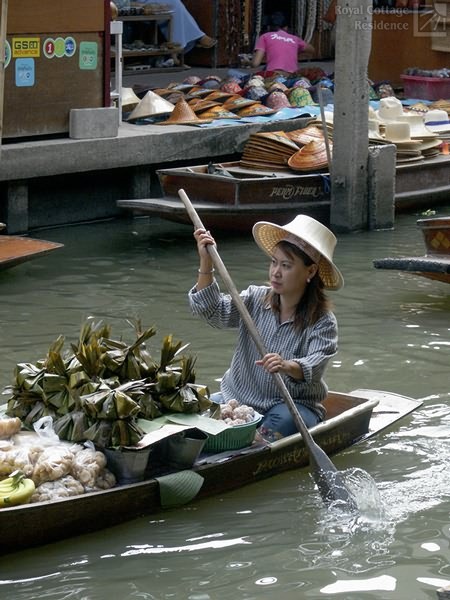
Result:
206,272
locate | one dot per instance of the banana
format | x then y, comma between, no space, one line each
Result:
11,481
16,489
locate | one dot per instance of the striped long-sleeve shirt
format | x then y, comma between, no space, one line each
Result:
251,384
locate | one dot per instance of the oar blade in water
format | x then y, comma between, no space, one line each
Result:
330,482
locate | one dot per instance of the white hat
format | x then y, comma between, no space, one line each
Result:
398,132
150,106
129,98
374,130
313,238
417,126
390,109
437,120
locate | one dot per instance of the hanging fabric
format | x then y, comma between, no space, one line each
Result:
310,20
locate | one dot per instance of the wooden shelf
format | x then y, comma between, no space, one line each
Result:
135,53
158,51
154,17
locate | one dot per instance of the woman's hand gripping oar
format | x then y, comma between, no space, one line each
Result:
328,479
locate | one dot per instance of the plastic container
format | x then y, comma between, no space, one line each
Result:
127,465
233,438
426,88
183,449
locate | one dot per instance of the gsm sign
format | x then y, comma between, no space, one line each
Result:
25,47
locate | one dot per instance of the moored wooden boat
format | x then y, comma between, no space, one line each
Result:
352,417
435,264
15,250
230,197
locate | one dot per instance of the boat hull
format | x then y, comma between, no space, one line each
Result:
235,203
352,418
15,250
435,264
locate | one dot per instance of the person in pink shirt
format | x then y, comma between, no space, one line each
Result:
279,49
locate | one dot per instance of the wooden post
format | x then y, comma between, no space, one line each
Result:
3,22
350,126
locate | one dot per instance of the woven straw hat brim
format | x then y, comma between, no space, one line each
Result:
312,156
256,110
268,235
239,103
199,105
219,96
218,113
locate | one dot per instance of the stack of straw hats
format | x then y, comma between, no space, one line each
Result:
268,150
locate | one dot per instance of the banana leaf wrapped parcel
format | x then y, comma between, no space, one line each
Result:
99,388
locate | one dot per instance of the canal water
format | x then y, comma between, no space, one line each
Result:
272,539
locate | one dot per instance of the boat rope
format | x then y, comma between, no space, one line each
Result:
326,183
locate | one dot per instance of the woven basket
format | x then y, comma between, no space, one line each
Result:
233,438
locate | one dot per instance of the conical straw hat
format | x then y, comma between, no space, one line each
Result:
238,103
150,106
306,134
312,156
183,114
256,110
219,95
129,99
217,112
199,104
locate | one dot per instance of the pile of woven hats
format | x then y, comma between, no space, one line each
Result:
299,150
415,135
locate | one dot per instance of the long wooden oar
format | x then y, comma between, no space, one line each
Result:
328,479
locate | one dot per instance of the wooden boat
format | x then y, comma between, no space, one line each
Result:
352,418
16,249
435,264
230,197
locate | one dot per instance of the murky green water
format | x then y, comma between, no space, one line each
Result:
272,539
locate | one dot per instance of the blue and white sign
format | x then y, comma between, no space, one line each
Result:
25,72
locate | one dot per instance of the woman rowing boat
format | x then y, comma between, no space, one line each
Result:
293,315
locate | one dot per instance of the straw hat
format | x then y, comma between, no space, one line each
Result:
397,132
216,112
256,110
312,156
437,120
311,236
374,130
306,134
129,99
183,114
150,106
417,127
390,109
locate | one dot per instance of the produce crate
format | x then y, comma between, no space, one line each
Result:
233,438
426,88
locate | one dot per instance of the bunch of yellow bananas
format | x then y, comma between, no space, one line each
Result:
15,489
